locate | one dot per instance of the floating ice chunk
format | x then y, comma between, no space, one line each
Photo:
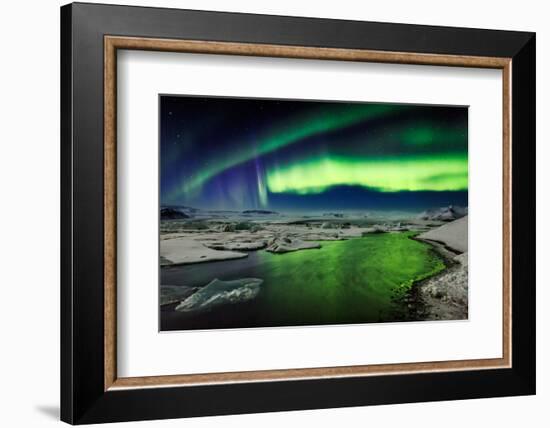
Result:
184,250
174,293
286,245
237,245
218,292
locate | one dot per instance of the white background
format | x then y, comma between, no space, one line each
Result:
29,218
142,351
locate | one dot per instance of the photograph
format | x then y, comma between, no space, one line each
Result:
280,212
272,210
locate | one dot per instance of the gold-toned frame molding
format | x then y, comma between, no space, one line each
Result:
113,43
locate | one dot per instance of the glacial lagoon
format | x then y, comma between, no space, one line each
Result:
360,280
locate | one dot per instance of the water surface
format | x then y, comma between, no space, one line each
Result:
360,280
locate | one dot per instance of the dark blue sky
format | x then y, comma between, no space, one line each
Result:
237,153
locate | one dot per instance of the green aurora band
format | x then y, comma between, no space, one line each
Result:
385,174
415,156
324,120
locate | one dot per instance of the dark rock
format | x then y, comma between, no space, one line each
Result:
228,227
259,212
171,214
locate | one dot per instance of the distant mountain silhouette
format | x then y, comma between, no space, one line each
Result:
259,212
172,214
450,213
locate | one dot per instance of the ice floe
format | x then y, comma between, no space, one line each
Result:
286,244
219,292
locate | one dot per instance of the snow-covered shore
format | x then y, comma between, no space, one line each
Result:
445,295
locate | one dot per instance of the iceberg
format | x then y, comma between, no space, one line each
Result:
218,292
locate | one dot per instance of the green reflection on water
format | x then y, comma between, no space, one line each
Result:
345,281
359,280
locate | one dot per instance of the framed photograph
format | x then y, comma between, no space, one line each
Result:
266,213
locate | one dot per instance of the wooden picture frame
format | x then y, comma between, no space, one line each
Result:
91,390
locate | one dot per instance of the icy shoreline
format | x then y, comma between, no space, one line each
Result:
439,297
188,242
444,296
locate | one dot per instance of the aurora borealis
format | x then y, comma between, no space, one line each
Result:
426,173
238,153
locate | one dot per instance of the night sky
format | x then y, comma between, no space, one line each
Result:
239,153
